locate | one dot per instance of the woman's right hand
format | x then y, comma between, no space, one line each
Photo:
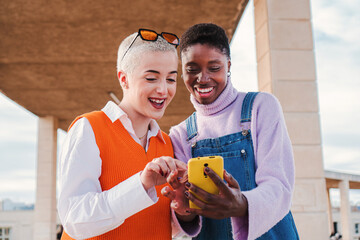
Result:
156,171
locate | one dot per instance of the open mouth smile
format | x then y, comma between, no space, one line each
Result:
204,92
157,103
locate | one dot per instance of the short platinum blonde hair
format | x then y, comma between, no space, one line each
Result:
128,62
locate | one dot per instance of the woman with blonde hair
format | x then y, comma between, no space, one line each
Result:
113,161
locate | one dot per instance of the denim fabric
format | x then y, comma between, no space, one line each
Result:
238,153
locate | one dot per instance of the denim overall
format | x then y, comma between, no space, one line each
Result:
238,153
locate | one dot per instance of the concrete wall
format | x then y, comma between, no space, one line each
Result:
286,68
20,222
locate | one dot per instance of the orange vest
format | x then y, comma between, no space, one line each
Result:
121,158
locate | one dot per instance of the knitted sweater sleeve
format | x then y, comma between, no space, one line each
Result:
270,201
182,149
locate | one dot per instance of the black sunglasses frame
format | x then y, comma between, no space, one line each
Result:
157,35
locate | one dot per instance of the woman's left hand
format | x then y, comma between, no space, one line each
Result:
179,203
229,203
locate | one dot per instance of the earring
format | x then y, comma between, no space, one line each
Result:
228,73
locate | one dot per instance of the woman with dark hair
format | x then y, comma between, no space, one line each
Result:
248,130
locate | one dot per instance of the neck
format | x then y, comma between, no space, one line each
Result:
139,122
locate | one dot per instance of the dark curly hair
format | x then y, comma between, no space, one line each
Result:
206,33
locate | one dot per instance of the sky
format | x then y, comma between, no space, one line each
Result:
336,35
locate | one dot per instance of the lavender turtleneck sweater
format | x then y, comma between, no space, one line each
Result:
270,201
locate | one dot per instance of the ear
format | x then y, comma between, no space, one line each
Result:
229,65
123,80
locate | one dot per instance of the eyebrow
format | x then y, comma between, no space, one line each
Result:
157,72
215,61
210,62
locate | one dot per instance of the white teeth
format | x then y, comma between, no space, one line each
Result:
205,90
157,101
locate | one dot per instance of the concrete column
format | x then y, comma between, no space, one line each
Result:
286,68
331,224
45,206
345,209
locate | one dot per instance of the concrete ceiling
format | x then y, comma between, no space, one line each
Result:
59,57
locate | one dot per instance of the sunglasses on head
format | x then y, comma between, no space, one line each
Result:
152,36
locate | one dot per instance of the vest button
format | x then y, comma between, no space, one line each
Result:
242,151
245,132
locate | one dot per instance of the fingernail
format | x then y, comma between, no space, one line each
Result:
207,169
187,184
187,194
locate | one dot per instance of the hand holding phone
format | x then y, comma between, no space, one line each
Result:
198,177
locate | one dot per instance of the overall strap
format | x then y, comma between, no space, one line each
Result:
247,107
191,126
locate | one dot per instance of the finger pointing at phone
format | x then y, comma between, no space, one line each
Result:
156,171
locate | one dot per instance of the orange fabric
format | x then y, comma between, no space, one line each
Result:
121,158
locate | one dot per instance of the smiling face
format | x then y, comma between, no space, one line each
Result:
204,71
151,86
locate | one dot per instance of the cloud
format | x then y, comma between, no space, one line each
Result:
17,155
19,179
243,54
337,51
18,185
16,123
345,159
337,48
336,20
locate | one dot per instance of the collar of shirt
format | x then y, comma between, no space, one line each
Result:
114,112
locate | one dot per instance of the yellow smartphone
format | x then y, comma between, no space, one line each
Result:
198,177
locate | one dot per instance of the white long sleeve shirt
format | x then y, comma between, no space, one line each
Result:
84,209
